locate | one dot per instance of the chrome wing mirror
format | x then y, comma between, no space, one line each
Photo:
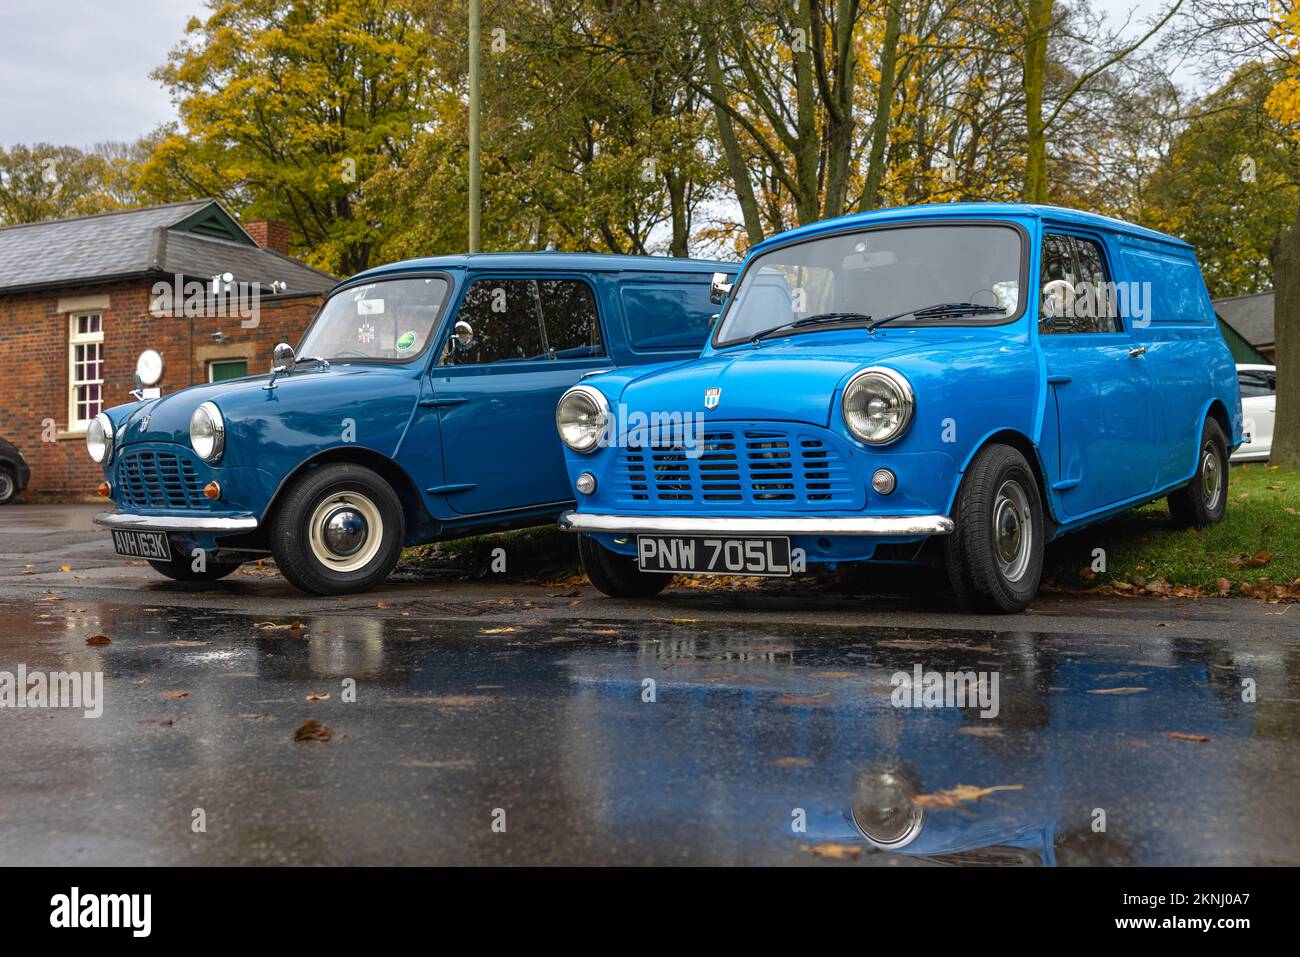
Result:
720,289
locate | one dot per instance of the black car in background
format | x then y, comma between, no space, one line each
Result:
14,472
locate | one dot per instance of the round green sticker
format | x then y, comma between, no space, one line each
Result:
405,341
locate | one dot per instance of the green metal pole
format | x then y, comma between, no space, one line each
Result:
475,172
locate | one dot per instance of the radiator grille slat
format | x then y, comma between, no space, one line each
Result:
150,479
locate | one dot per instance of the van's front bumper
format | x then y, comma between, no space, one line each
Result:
879,526
181,524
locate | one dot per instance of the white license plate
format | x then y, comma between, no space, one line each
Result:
708,555
135,544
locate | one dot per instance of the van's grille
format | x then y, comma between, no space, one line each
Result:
773,468
159,480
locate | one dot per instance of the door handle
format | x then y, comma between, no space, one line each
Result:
1138,351
441,402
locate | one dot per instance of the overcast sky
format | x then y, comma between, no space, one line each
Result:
76,72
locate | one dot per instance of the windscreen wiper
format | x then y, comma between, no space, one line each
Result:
941,310
814,320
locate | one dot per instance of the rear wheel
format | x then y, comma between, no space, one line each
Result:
1202,501
617,575
338,531
995,555
8,485
181,569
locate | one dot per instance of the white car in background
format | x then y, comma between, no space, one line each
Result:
1258,402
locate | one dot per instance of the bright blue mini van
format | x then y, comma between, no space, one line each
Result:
419,406
964,382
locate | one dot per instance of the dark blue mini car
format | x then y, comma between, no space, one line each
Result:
419,406
982,377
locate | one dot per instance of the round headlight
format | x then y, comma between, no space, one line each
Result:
99,439
878,405
208,432
582,417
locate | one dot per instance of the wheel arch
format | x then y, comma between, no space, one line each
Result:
420,525
1026,447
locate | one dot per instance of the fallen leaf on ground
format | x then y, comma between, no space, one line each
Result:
65,568
175,694
793,763
798,700
1118,690
319,696
99,640
981,731
1258,560
508,630
313,730
835,852
833,674
1182,736
962,793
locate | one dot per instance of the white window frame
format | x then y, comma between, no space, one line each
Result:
218,360
75,339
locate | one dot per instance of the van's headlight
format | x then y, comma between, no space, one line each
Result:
878,405
208,432
99,439
582,417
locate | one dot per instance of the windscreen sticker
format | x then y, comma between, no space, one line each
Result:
366,333
406,341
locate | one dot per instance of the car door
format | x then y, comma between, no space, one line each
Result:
532,338
1258,407
1098,376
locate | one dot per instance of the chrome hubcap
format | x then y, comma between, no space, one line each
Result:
1013,530
1211,476
345,531
6,486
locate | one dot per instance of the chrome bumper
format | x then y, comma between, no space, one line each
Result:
176,523
876,525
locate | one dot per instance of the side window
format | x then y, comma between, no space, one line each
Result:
661,316
570,319
1254,384
1075,287
506,322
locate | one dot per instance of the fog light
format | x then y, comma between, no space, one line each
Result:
586,483
105,490
212,490
883,481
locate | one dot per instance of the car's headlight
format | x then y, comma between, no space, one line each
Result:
208,432
99,439
878,405
582,417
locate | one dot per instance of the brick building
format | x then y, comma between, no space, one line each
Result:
80,299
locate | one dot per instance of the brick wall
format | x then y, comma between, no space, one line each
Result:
34,352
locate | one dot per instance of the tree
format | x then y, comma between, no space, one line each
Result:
52,182
288,107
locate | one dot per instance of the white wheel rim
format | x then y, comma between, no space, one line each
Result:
1013,530
346,531
6,486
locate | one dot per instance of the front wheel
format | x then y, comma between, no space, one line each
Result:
8,486
617,575
995,555
1203,500
181,569
338,531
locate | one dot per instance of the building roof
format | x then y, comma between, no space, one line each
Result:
197,239
1250,316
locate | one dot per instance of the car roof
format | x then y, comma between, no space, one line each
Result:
577,262
972,210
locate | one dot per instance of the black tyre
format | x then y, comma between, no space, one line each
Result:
181,569
617,575
995,555
8,485
1203,500
338,531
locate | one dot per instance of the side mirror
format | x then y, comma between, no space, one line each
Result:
462,336
282,357
720,289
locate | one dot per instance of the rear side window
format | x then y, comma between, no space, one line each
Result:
667,316
1177,291
1256,384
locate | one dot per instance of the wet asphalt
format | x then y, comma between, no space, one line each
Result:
482,722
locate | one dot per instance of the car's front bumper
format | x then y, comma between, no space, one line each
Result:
880,526
181,524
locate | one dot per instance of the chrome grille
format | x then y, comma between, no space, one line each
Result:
744,468
147,479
